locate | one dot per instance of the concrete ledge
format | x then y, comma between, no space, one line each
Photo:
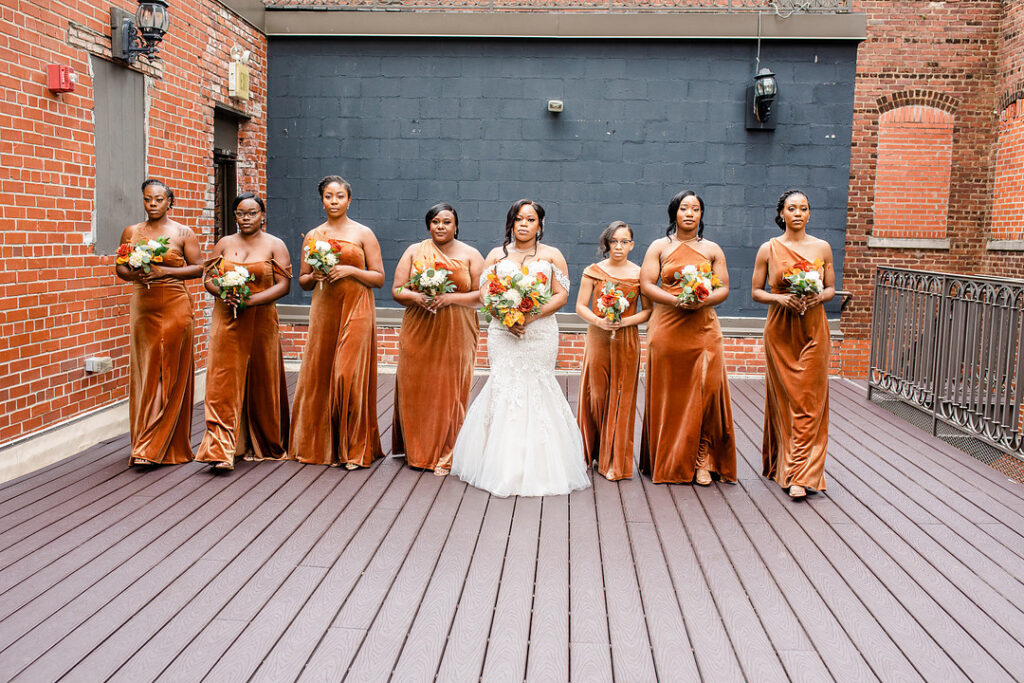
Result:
658,24
907,243
35,451
1005,245
733,327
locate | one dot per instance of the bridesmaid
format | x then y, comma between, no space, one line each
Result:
334,417
246,394
161,323
687,431
611,364
436,345
796,347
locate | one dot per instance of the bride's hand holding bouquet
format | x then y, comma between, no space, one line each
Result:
513,296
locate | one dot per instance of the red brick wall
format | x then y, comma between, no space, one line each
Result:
743,356
59,302
915,153
942,54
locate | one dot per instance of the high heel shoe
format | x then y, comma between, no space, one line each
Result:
797,492
703,478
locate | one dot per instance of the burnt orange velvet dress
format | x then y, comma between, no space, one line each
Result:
687,412
608,384
162,369
796,351
436,354
334,416
246,392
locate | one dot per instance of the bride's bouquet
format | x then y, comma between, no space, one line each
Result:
143,253
697,283
235,281
613,302
431,279
321,255
514,294
804,277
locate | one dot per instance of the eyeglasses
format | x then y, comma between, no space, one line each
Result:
616,243
247,214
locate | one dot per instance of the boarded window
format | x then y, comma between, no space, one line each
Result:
915,150
1007,201
119,115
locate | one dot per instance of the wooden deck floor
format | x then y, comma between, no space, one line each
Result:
911,567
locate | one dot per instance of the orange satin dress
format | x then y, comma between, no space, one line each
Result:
608,384
162,368
334,415
796,351
687,412
246,391
436,354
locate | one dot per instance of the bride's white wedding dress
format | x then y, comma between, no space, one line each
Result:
520,437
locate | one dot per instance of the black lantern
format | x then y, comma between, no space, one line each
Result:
137,36
760,97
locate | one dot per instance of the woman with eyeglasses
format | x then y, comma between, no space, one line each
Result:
161,323
246,394
609,299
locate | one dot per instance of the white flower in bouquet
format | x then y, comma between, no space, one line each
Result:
137,259
505,269
331,259
322,246
153,244
527,281
513,297
433,277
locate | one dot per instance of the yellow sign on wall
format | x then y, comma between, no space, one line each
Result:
238,80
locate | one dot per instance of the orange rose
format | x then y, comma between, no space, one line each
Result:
526,304
701,291
542,278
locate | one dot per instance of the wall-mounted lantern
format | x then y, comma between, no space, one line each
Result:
134,36
760,97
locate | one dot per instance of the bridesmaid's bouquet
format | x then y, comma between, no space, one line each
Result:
142,254
321,255
235,281
697,282
430,279
613,302
512,297
804,277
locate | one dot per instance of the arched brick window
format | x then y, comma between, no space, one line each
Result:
915,151
1007,199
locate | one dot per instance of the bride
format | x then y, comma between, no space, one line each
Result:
520,437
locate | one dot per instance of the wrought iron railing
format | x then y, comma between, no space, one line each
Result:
952,345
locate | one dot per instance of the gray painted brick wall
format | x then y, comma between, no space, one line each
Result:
410,122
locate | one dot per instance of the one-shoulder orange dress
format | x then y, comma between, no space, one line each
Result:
796,351
161,367
608,384
246,390
687,412
334,415
436,354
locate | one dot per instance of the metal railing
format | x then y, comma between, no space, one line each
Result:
952,345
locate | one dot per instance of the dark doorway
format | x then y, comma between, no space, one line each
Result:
225,161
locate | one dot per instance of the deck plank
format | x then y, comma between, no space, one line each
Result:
910,566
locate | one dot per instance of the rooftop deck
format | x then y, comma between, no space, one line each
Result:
910,567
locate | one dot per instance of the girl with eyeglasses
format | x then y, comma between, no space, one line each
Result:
610,300
246,395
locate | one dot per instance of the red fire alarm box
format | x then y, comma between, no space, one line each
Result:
60,78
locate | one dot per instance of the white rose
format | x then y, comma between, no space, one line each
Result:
322,246
135,259
813,276
243,272
690,270
153,244
623,303
230,279
527,281
505,269
514,297
331,259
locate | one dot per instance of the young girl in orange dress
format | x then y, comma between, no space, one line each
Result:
796,348
609,299
687,433
161,367
334,415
